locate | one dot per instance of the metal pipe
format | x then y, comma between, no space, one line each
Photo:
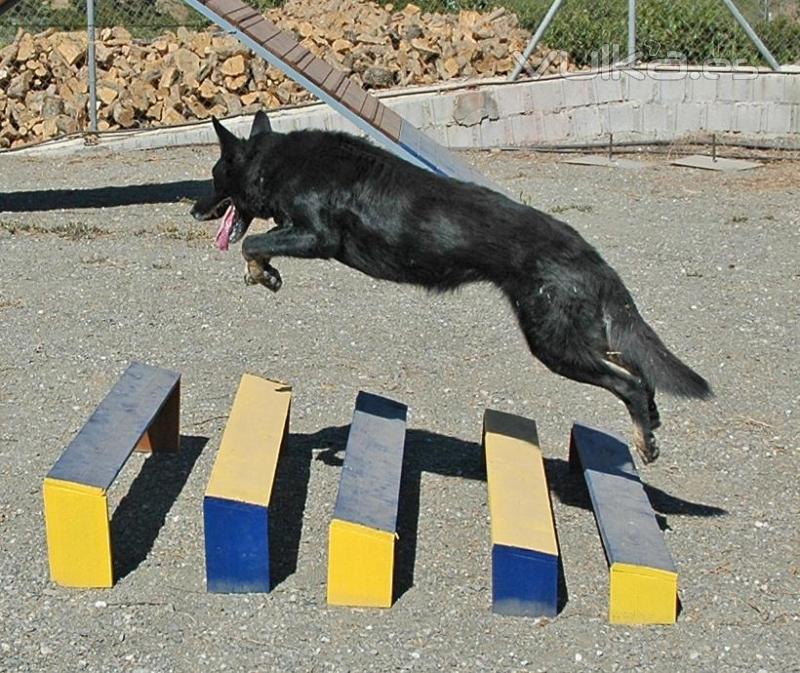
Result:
92,65
754,38
631,32
522,60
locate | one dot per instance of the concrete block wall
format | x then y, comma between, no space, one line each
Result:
634,104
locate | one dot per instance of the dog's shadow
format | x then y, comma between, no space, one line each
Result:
108,196
424,452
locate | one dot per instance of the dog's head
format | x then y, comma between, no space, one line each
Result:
226,201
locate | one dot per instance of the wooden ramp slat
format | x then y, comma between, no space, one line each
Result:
643,581
363,531
236,507
525,557
5,5
141,410
282,50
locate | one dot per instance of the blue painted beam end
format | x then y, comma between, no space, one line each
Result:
524,582
237,546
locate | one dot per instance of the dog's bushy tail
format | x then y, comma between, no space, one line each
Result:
637,343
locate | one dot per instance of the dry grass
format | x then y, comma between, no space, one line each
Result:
73,231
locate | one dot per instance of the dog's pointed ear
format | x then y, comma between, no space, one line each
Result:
227,141
261,124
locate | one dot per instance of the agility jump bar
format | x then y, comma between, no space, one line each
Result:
363,532
368,113
643,580
236,507
525,558
141,411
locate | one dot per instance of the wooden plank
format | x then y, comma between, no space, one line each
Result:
134,404
370,108
305,62
280,44
236,507
254,20
5,5
391,123
643,578
317,70
243,15
261,31
340,90
364,527
525,557
225,7
369,488
333,81
244,470
353,96
296,54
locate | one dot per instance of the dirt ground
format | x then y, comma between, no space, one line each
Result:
100,265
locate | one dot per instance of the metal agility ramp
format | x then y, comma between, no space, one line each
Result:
380,123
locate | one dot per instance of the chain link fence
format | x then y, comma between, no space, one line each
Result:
159,63
695,31
699,31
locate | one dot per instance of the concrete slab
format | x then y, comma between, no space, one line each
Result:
708,163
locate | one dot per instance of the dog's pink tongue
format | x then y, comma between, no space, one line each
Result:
225,227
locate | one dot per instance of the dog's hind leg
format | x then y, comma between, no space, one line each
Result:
627,387
638,398
580,355
655,418
652,408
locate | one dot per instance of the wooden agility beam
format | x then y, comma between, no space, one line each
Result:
363,531
368,113
643,580
236,507
141,411
525,557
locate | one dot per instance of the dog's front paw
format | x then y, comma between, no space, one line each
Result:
267,276
272,279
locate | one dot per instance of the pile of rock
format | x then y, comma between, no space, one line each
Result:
188,75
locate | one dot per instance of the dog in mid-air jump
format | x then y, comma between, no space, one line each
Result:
335,196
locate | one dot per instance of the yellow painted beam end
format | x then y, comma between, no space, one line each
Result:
360,565
78,535
641,595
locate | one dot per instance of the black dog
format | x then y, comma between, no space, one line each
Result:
335,196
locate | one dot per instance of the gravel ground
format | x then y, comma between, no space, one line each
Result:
713,262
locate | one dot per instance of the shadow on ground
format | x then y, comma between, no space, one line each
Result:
424,452
143,510
102,197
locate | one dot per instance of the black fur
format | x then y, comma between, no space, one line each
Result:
334,196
